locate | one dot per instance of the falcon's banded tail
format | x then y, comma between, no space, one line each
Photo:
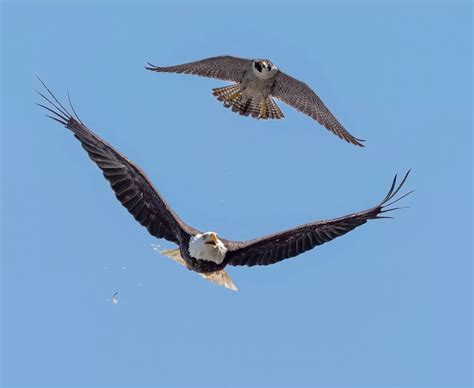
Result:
232,97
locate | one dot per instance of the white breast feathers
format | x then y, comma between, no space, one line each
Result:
207,247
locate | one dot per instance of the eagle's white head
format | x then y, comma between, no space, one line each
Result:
207,246
263,68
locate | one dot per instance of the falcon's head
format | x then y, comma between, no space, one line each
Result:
263,68
207,246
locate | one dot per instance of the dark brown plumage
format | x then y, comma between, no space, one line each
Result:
292,242
138,195
131,186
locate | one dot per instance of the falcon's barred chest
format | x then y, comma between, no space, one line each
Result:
252,95
258,81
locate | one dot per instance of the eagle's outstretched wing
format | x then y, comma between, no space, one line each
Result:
225,68
279,246
131,186
301,97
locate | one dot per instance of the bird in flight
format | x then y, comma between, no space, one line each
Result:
257,82
204,252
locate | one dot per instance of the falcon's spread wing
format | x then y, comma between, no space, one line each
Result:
131,186
276,247
226,68
301,97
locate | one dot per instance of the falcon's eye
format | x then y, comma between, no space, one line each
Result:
258,66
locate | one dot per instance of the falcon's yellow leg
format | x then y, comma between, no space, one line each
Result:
263,110
229,100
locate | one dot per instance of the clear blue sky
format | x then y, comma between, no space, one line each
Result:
387,305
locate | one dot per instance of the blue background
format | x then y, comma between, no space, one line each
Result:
389,304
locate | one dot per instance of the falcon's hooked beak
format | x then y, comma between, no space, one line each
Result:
213,240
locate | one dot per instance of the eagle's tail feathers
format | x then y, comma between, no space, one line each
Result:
219,277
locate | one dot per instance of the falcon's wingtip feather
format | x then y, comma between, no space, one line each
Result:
152,67
351,139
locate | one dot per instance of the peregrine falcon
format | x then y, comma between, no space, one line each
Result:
258,80
206,252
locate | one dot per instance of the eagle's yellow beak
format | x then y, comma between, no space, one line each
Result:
214,238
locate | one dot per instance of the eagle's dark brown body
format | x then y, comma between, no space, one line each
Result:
201,266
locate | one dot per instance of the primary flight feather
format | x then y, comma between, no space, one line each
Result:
204,252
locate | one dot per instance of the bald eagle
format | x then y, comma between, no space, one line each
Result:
204,252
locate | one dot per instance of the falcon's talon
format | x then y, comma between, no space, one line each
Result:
263,110
234,97
229,101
